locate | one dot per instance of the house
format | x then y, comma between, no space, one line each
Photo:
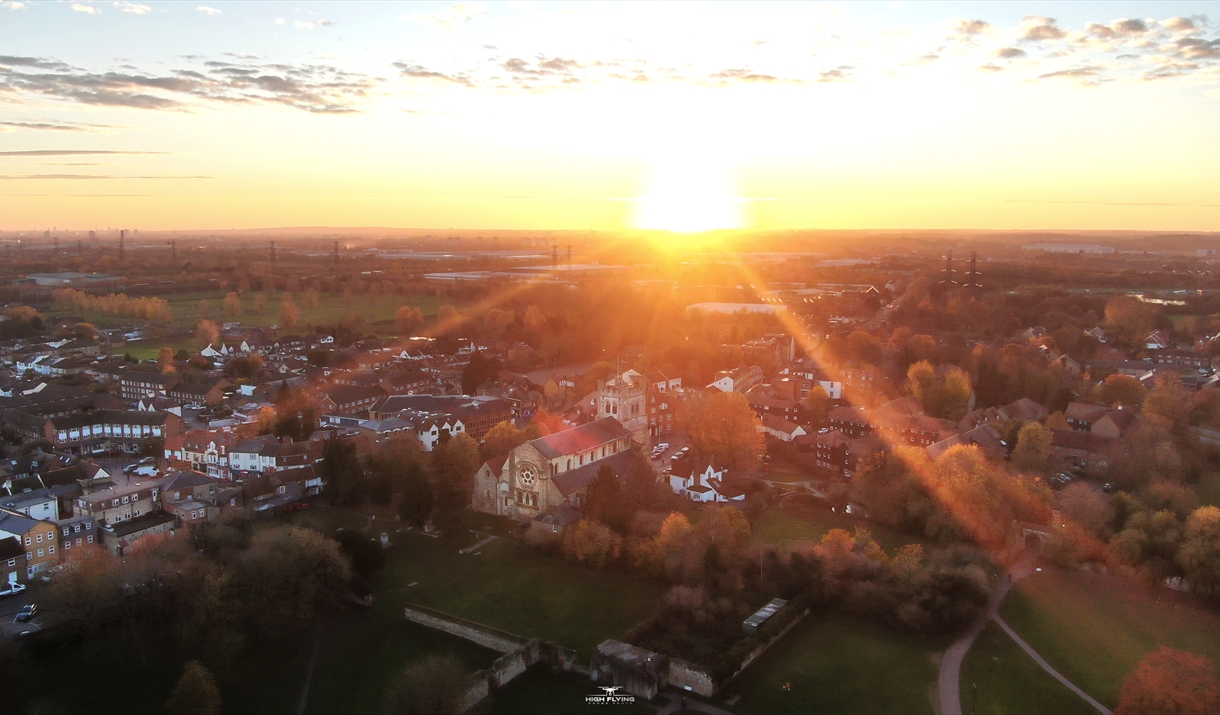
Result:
136,385
737,380
1081,415
836,452
190,496
76,532
350,399
198,393
707,486
119,502
780,428
13,566
35,503
984,436
1080,449
1156,340
97,431
1114,424
37,536
117,537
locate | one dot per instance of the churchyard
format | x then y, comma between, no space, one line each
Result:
810,523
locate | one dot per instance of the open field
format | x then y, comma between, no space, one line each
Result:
517,589
781,526
837,664
998,678
538,691
1094,629
330,308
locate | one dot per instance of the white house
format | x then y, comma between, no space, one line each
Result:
782,429
707,486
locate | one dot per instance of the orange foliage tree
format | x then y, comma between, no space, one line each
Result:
1170,682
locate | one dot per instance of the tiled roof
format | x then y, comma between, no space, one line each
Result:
580,439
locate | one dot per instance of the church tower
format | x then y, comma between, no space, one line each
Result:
625,398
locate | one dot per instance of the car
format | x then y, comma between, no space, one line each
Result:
663,446
11,589
130,468
148,460
27,613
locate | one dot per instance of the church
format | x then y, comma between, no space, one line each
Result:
625,398
551,472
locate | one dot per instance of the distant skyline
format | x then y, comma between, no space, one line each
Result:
684,116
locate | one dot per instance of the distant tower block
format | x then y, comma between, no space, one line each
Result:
122,241
92,236
271,253
46,235
336,252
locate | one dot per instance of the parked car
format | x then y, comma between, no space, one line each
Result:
27,613
130,468
663,446
147,460
11,589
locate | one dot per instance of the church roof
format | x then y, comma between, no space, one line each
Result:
580,439
576,479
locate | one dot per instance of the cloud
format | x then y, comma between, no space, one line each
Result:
1197,48
208,10
414,71
1036,28
279,21
1008,53
12,5
450,17
970,28
313,88
838,74
313,24
746,75
132,8
1180,24
989,67
87,9
1087,74
1118,28
53,126
72,152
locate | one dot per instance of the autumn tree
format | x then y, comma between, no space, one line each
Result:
1033,450
287,574
725,428
233,305
417,499
165,358
196,692
290,316
1199,554
260,303
312,298
1130,317
408,320
1170,682
204,310
941,392
501,439
206,332
1122,390
433,685
591,542
447,319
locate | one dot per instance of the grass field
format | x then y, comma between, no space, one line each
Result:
330,308
998,678
538,691
1209,489
517,589
1094,629
781,526
837,664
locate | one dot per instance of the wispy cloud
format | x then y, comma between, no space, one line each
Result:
132,8
89,177
12,5
208,10
313,88
87,9
450,17
71,152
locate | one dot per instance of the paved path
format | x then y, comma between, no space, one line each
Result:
1047,667
949,682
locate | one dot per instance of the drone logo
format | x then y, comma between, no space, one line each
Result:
609,696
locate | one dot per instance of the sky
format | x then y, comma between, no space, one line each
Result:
679,116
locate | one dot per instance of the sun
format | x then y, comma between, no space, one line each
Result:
689,194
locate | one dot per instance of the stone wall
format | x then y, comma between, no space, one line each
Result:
638,671
486,636
763,648
683,675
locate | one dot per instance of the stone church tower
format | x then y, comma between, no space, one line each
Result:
625,398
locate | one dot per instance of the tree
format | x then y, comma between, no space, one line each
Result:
260,303
290,316
433,685
725,428
206,332
84,331
591,542
205,310
819,405
447,319
501,439
287,574
415,504
455,463
1199,554
233,305
1033,450
1088,506
165,358
408,320
604,499
1170,682
478,371
196,692
342,473
312,297
1122,390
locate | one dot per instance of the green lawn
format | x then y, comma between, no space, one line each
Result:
358,652
330,308
1209,489
517,589
998,678
781,526
837,664
1094,629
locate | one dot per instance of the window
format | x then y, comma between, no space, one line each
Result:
137,512
40,553
114,503
27,541
12,562
90,539
51,550
124,500
135,497
40,538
